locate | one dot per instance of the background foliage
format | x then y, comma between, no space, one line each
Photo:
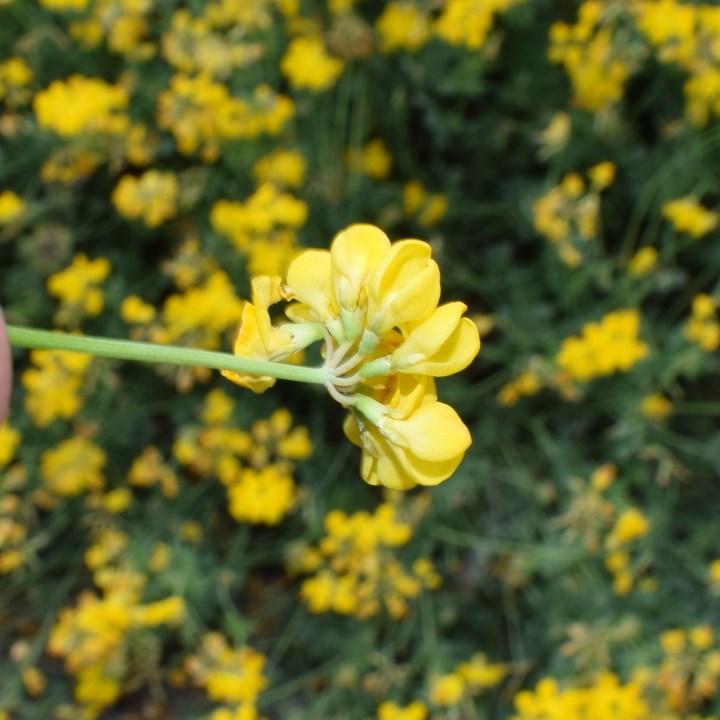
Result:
172,546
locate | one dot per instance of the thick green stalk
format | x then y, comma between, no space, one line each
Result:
152,353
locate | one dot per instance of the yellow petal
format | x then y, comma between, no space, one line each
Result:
396,467
355,252
310,279
442,345
433,432
404,286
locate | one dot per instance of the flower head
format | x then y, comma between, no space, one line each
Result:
375,304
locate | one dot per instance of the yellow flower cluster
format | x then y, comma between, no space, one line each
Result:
403,25
204,45
9,441
96,637
467,22
196,317
256,467
596,52
77,289
642,262
149,469
262,227
631,525
373,160
689,674
375,304
308,65
202,114
15,544
703,327
72,467
688,216
389,710
427,208
151,197
687,34
568,215
525,384
594,519
355,570
232,677
12,207
605,698
656,407
15,78
283,168
82,105
122,24
54,385
468,680
606,347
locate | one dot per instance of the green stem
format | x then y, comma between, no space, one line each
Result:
152,353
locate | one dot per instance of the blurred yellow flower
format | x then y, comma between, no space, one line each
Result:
73,466
631,525
688,216
9,441
262,496
643,261
656,407
403,25
391,711
308,65
373,160
605,347
152,197
77,288
79,104
12,207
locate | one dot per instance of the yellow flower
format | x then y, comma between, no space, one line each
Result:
631,525
308,65
76,5
656,407
403,26
428,208
79,104
468,22
283,167
375,304
73,466
152,197
76,287
12,207
54,384
373,160
703,326
447,690
262,497
259,339
602,175
136,311
34,681
401,443
673,641
604,348
688,216
643,261
9,441
390,711
556,135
